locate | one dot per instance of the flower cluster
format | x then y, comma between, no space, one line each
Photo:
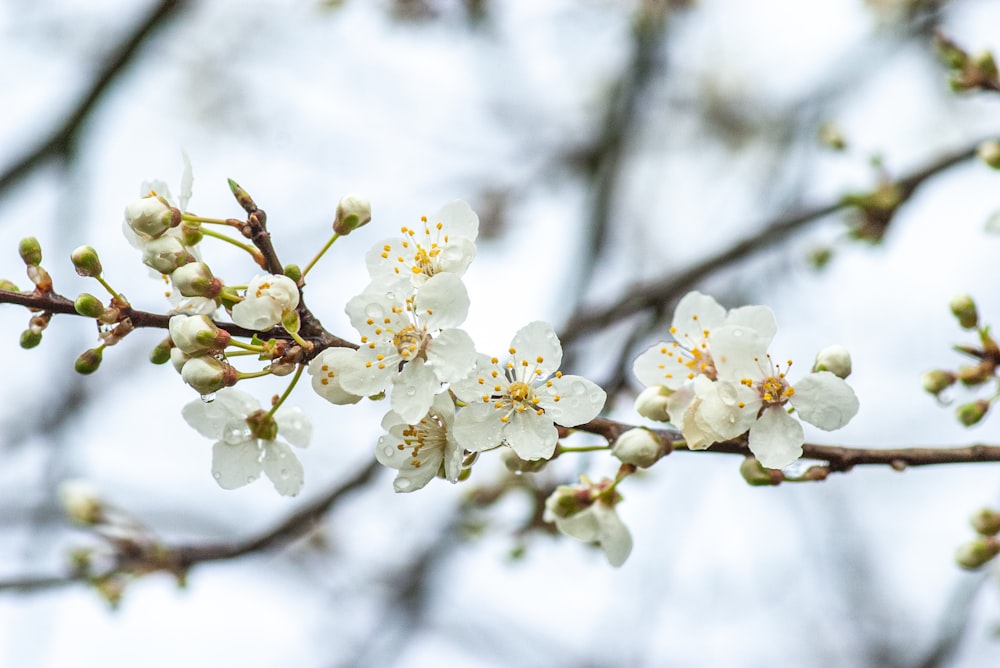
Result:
412,348
716,381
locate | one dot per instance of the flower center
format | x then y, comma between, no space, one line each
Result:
773,388
425,256
409,342
519,391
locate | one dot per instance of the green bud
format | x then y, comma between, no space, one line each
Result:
294,272
989,153
756,475
8,286
971,413
161,353
353,211
89,361
86,262
30,250
89,306
963,308
975,374
938,381
30,338
242,196
977,553
986,522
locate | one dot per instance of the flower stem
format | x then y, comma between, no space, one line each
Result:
254,253
192,218
244,375
320,254
288,390
107,286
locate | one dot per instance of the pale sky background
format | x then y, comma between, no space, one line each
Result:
303,102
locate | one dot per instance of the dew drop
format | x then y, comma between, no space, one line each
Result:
217,475
391,296
235,432
411,391
578,388
402,484
373,311
208,398
388,450
251,478
283,473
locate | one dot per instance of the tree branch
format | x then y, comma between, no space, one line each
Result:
643,296
179,559
60,140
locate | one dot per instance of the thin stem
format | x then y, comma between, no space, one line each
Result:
249,347
320,254
288,390
254,253
244,375
111,290
192,218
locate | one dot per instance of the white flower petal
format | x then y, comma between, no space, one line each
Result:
478,427
537,344
759,318
458,219
694,314
283,468
442,302
612,534
294,425
776,438
662,364
413,391
237,464
369,375
531,436
210,418
738,352
452,355
325,370
480,381
825,400
579,400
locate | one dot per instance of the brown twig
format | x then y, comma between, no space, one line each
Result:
179,559
60,140
652,294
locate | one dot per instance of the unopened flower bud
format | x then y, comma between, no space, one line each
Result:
756,475
8,285
976,374
293,271
971,413
195,280
89,306
986,522
652,403
40,277
963,308
197,334
89,360
977,553
638,446
835,359
80,501
989,152
30,250
161,353
938,380
86,261
178,358
207,374
165,254
150,217
353,211
30,338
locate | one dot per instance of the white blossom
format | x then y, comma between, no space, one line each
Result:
519,401
752,392
584,512
242,449
268,299
423,450
410,343
443,243
325,370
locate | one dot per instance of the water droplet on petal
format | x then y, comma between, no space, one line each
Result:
217,475
251,478
388,450
402,483
373,311
208,398
235,432
283,473
391,296
578,388
411,391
